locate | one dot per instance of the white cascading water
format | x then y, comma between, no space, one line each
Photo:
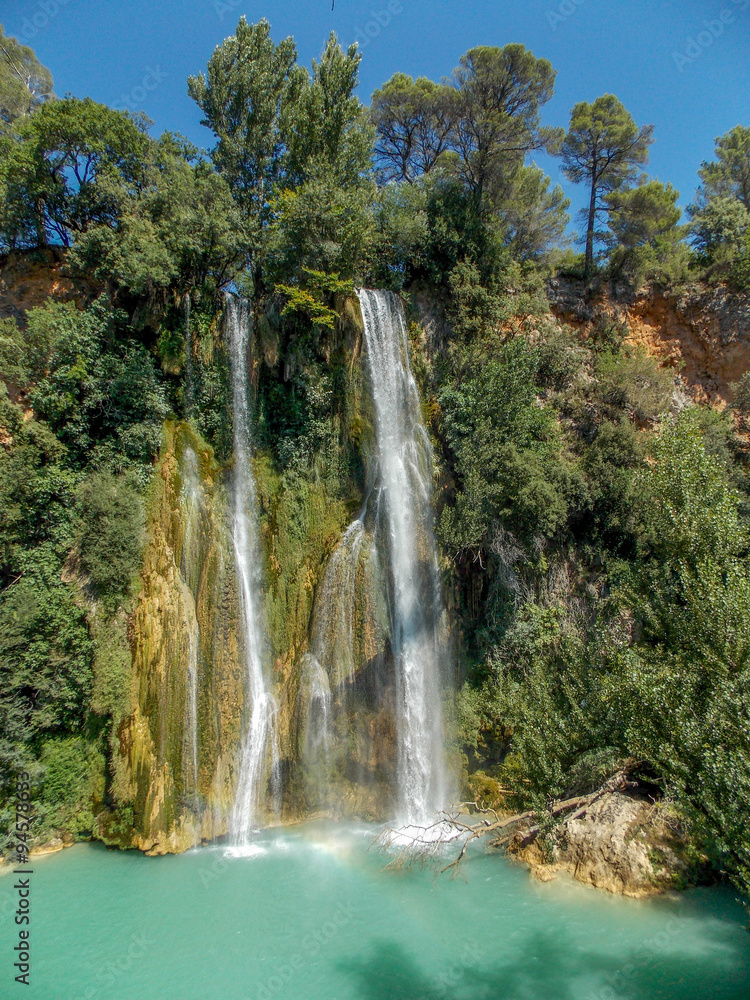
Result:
192,500
317,726
404,502
333,625
192,707
259,757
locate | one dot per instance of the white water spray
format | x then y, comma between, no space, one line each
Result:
404,483
259,760
192,499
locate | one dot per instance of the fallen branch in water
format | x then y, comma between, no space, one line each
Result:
424,843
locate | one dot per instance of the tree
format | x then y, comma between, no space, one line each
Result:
24,82
327,131
532,216
181,230
500,92
603,147
689,673
719,229
729,175
414,120
67,167
640,215
250,88
644,232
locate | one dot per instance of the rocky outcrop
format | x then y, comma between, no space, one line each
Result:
622,842
28,278
703,333
187,581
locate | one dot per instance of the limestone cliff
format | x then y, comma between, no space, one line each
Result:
702,333
623,843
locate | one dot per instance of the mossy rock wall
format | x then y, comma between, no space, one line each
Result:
310,487
187,577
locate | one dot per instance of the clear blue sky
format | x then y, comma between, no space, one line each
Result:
683,65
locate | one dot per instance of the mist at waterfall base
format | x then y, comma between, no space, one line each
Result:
312,916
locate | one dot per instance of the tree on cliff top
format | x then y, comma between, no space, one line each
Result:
498,123
65,168
728,176
247,92
603,147
24,82
487,117
413,119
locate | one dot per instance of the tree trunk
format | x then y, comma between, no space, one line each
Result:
589,266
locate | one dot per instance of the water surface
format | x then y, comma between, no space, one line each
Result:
309,914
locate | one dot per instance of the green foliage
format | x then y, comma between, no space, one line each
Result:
646,239
728,176
657,671
110,695
104,400
460,194
179,229
630,380
24,82
641,214
309,301
73,778
506,452
603,147
65,168
246,98
501,92
328,132
414,120
324,227
111,536
719,229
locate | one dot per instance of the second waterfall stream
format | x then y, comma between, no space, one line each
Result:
403,495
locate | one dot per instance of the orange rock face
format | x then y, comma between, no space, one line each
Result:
704,334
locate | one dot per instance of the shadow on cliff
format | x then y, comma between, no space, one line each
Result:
549,969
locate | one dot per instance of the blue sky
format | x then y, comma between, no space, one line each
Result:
683,65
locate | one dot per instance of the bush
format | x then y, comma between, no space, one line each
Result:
111,535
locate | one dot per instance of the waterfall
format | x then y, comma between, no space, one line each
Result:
333,624
189,380
404,505
192,500
192,707
315,711
259,746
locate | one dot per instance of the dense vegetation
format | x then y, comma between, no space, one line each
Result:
598,542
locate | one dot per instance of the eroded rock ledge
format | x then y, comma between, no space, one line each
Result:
624,842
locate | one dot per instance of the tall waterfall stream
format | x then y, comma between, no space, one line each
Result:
260,745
